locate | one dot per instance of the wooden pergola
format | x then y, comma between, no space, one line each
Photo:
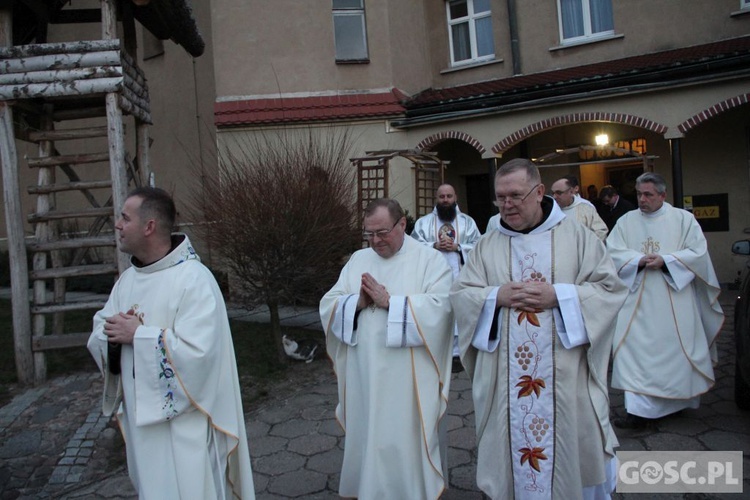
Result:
372,176
47,90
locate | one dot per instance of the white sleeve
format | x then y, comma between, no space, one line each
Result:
402,329
679,276
630,276
481,339
568,317
343,319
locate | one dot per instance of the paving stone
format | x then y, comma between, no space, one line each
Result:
22,444
453,422
331,428
318,412
328,462
45,414
266,445
279,463
273,416
462,438
460,407
256,428
260,481
727,440
464,477
458,457
665,441
297,483
312,444
294,428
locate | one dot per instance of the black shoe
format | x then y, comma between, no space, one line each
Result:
457,366
631,422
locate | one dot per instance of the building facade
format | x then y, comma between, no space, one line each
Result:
479,82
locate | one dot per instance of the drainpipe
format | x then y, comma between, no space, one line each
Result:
513,25
676,146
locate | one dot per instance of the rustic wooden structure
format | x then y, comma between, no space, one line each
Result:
372,176
44,87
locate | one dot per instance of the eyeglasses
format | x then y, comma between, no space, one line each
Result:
381,233
515,199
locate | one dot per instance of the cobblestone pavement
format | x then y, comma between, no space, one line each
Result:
55,444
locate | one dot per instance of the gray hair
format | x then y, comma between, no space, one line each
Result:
520,164
657,180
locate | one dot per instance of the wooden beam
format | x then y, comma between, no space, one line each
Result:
67,307
67,134
75,88
61,75
68,214
61,61
67,160
67,244
71,186
73,271
47,342
23,51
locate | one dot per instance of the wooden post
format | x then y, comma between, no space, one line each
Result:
45,176
19,272
142,146
115,131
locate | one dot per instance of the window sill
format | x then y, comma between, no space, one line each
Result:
739,13
588,41
470,66
352,61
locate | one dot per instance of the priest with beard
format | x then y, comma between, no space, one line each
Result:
452,233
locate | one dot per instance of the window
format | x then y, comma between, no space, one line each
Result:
744,4
584,19
470,31
350,32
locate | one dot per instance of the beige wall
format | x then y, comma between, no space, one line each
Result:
287,46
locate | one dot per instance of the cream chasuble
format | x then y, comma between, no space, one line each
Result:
540,386
181,412
584,212
664,341
393,373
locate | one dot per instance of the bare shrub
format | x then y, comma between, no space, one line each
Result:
281,212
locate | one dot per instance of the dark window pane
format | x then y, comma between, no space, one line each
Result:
461,43
459,9
348,4
349,31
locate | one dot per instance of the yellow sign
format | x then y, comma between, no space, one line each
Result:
706,212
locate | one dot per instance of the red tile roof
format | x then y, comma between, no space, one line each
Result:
687,58
308,109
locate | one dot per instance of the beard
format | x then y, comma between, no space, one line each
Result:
447,213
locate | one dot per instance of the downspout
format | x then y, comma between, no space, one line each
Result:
513,26
676,145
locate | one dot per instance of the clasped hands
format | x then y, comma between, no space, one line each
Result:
120,328
530,296
372,293
446,244
651,261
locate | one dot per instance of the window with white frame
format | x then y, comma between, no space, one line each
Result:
470,31
350,30
584,19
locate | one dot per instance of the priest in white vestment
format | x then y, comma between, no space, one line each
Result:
388,326
664,346
452,233
163,344
535,306
577,208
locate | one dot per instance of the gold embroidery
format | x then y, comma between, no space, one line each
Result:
650,246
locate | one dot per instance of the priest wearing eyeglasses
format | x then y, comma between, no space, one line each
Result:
388,326
535,306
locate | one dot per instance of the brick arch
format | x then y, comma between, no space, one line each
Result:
714,110
435,139
558,121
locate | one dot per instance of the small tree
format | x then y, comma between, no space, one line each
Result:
281,212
